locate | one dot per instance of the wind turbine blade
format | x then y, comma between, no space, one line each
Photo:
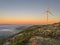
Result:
51,13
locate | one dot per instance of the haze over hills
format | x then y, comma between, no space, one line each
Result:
7,30
37,34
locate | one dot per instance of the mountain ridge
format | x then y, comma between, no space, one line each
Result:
49,32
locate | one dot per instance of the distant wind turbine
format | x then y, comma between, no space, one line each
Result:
47,14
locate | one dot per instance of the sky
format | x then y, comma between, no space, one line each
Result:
29,11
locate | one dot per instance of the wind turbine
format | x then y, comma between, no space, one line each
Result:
47,14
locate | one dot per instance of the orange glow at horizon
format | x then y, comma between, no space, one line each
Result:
25,21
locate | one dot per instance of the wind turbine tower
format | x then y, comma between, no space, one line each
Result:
47,15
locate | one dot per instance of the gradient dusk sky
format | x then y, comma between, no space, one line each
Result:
28,11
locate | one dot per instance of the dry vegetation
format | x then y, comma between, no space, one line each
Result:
47,35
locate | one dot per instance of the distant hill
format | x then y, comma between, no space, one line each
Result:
5,34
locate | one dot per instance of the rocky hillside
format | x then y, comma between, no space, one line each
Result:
36,35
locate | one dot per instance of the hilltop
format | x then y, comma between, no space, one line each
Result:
40,34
